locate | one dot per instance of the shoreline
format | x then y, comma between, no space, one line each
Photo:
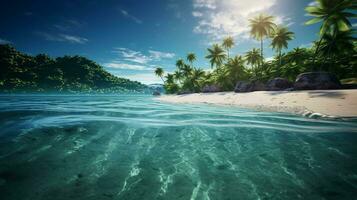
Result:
309,103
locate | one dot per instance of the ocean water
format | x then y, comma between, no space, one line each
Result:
133,147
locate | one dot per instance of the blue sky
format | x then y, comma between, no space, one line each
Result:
132,37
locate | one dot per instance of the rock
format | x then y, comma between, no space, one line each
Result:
316,81
156,93
211,88
349,86
278,84
184,92
243,86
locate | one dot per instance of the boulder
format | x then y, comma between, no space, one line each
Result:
243,86
156,93
316,81
184,92
278,84
211,88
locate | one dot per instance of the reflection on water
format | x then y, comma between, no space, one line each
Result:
132,147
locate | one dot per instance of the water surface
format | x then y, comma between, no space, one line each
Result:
133,147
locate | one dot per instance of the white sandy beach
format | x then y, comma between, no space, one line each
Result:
327,103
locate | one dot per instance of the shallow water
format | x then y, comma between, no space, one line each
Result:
133,147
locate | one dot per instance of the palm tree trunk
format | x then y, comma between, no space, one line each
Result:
162,79
261,51
279,62
316,51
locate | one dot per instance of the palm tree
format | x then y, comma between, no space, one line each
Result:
228,43
186,70
236,69
178,75
170,79
191,57
197,74
280,39
216,55
340,43
261,27
180,63
159,72
253,57
334,16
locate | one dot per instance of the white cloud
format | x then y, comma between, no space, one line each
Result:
158,55
141,58
118,65
2,41
129,16
229,17
74,39
283,20
62,38
313,3
269,59
197,14
132,56
210,4
307,45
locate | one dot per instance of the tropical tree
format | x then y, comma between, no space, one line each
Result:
216,55
180,63
178,75
261,27
298,55
191,57
334,15
333,45
170,78
159,72
170,86
253,57
280,39
228,43
186,70
236,69
197,75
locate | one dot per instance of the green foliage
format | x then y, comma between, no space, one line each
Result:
333,14
23,73
335,52
228,43
159,72
216,55
261,27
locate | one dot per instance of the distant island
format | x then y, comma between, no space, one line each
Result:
21,73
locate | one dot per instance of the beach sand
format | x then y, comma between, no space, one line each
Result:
319,103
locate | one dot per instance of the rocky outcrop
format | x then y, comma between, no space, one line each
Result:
184,92
211,88
278,84
243,86
316,81
156,93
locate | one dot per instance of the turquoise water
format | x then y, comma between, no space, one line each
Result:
133,147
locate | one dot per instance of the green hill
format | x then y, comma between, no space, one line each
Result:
68,74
